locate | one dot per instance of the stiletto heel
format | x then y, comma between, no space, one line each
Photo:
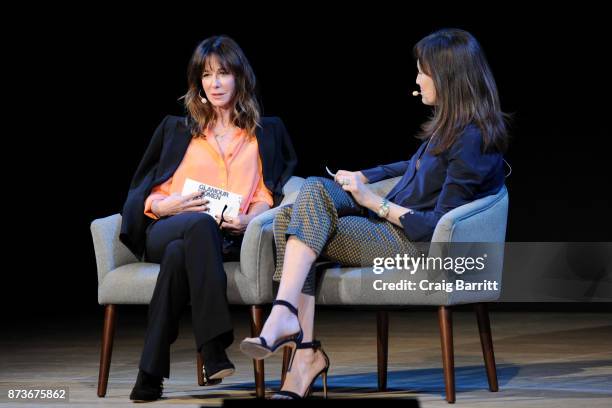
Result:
293,350
316,346
261,350
325,384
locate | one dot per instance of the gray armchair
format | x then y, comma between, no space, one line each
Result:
123,279
481,221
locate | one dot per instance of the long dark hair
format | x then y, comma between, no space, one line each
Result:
246,112
465,90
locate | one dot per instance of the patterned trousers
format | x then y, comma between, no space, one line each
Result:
329,221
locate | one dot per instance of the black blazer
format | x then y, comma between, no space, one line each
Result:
166,151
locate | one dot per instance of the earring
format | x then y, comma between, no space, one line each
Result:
203,99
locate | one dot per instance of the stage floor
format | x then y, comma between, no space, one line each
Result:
543,359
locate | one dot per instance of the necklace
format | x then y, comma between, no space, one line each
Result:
221,135
418,162
219,139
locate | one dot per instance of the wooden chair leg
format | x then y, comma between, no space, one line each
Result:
108,334
258,365
199,369
382,347
486,341
445,320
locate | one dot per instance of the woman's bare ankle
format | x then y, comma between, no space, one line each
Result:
306,355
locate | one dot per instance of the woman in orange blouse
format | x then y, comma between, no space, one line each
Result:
224,143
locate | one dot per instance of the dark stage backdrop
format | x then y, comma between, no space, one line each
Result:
342,83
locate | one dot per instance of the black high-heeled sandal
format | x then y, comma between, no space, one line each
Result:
261,350
316,345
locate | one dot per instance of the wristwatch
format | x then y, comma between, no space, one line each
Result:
383,210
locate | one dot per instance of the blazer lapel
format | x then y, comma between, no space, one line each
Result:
265,144
173,153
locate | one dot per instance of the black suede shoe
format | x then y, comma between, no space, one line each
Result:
147,387
216,363
215,371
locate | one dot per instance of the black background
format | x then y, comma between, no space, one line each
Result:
96,84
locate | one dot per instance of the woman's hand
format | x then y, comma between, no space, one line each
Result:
354,183
346,173
235,225
177,203
238,225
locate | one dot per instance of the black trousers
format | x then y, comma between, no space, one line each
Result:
188,248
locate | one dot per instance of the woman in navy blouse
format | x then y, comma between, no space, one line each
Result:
460,160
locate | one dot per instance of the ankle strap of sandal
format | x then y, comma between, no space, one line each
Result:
315,344
287,304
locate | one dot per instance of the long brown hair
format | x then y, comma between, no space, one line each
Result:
246,113
465,90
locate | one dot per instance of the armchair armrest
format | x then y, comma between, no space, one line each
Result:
475,229
291,189
110,252
482,220
257,254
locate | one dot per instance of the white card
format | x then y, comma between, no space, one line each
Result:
218,198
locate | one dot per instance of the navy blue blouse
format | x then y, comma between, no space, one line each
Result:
443,182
